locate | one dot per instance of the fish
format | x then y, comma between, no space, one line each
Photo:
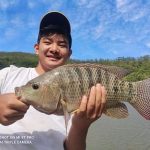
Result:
60,90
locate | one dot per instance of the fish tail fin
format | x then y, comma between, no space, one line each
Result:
142,100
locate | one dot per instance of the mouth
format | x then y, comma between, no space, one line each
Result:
53,57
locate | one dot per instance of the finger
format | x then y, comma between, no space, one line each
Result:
15,118
19,106
8,121
13,113
103,100
83,104
91,102
98,98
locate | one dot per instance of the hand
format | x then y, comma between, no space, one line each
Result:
11,109
90,108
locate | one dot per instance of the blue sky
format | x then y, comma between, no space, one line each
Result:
105,29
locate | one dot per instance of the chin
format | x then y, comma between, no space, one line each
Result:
54,64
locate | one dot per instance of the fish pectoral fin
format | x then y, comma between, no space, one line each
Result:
119,111
74,111
66,114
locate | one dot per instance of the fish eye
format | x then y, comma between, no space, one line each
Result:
35,86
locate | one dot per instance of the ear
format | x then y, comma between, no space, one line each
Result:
36,48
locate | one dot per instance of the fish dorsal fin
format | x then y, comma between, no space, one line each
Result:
66,114
119,111
120,72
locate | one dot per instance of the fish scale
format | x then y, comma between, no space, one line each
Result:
84,77
65,86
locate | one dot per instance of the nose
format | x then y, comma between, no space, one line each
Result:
54,48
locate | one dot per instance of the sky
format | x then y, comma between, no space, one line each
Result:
101,29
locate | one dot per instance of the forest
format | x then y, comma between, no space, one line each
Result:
139,67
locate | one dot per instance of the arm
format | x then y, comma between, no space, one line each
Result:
11,109
90,110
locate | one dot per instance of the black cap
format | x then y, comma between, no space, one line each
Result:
55,21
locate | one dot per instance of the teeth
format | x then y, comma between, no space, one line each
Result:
57,57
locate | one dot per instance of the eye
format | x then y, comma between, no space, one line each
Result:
63,45
35,86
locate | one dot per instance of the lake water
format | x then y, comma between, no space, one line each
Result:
132,133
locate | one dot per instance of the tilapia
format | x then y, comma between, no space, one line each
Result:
63,87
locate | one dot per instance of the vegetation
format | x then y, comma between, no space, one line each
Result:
139,67
18,59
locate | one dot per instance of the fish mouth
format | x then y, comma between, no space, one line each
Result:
18,92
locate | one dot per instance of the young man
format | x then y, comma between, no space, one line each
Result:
22,127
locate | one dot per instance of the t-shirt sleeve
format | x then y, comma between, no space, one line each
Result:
3,74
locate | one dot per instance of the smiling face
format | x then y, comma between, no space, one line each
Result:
53,51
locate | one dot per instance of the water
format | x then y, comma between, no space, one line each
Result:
132,133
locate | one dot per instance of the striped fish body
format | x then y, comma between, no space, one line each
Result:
77,80
70,82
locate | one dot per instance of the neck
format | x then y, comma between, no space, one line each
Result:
40,70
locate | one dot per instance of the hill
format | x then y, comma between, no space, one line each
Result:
18,59
139,67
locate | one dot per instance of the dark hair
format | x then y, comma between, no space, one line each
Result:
55,30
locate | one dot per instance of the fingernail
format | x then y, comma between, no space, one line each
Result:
84,99
98,84
99,115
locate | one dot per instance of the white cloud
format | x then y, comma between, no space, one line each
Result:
31,4
93,4
52,5
16,21
98,31
87,18
87,3
10,33
32,22
46,4
136,16
121,3
131,10
148,44
81,2
4,4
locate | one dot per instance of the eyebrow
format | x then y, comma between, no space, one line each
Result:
60,41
